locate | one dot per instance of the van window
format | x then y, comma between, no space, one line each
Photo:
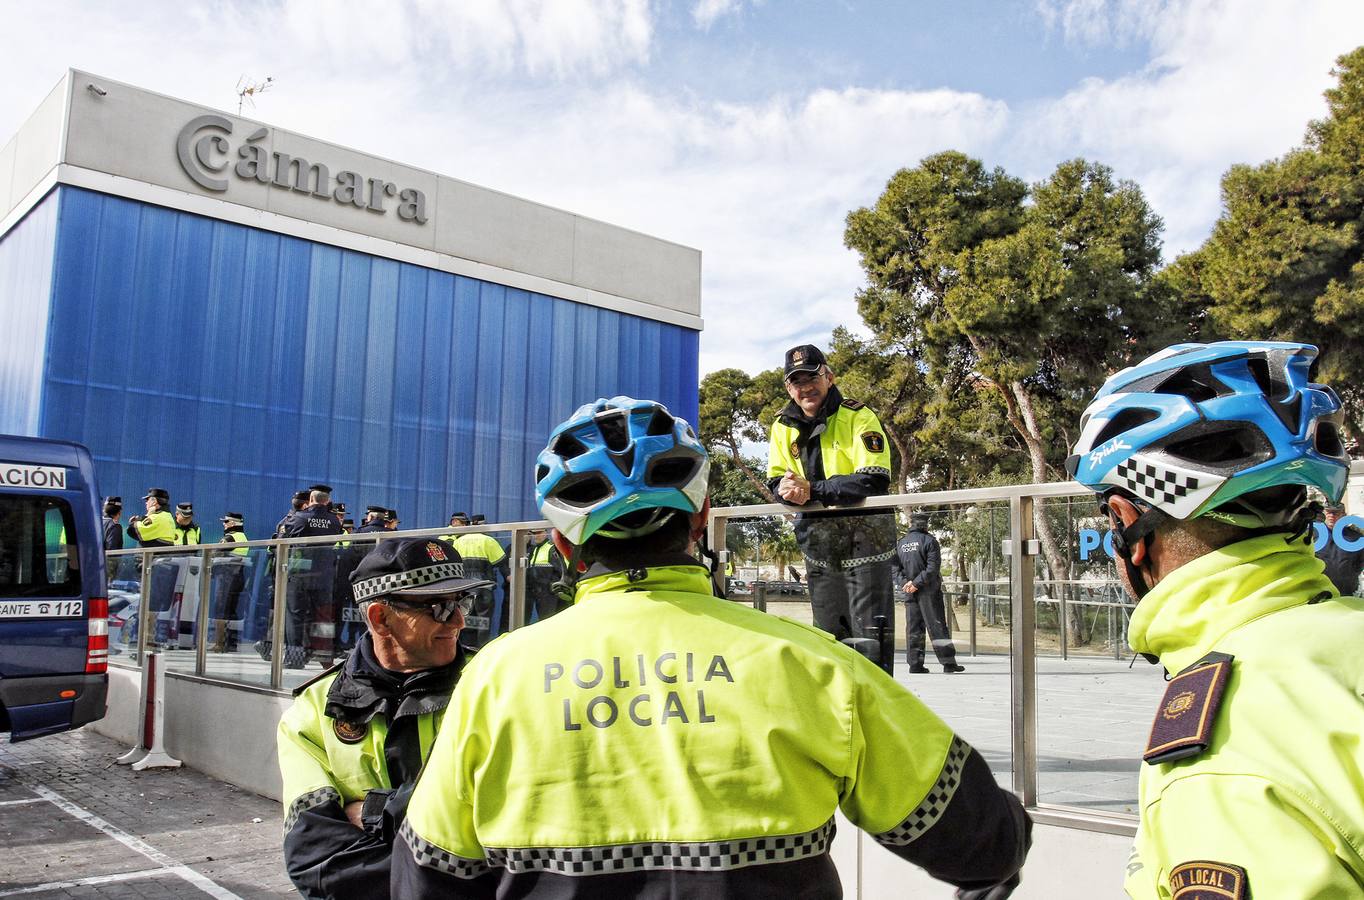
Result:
38,555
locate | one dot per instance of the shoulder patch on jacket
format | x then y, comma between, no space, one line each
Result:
853,404
1206,880
1188,711
874,441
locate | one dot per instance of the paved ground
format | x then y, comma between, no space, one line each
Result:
72,824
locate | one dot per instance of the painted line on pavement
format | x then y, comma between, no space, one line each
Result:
168,864
22,802
85,882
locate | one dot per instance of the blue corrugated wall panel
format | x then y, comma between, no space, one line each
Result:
233,366
26,258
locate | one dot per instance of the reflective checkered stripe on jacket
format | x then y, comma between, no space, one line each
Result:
704,856
307,801
930,809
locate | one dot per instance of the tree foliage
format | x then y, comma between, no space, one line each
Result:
1031,295
1286,259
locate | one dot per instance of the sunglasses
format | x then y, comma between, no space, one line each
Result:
803,378
442,610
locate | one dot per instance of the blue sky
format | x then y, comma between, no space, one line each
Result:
746,129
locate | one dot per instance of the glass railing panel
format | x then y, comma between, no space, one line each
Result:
1093,708
487,557
241,592
772,562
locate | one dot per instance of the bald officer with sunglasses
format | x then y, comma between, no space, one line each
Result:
355,738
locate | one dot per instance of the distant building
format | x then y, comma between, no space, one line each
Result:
232,311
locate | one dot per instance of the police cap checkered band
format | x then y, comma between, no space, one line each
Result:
418,566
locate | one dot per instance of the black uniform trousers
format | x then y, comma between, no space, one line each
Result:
847,563
924,611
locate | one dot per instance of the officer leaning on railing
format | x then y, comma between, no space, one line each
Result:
353,742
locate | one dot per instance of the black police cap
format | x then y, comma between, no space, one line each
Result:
421,567
321,488
390,515
186,508
376,509
802,358
301,495
113,502
157,494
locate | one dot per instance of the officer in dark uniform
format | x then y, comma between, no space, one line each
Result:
1343,563
347,558
296,503
833,451
391,520
309,630
353,742
544,567
917,571
113,532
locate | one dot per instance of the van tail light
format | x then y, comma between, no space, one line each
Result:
97,642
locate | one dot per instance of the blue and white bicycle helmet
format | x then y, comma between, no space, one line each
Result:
1206,429
616,457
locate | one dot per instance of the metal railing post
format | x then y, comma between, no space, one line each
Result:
516,588
971,605
760,595
144,605
716,535
1023,613
201,615
278,612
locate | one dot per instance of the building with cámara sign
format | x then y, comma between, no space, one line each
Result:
233,311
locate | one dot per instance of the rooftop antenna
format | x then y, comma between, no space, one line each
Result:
247,91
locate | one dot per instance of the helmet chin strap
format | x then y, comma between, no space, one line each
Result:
1125,538
565,588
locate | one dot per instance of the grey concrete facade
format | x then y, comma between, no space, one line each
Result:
100,134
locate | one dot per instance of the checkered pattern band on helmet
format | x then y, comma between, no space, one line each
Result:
403,581
1154,483
934,804
308,801
432,857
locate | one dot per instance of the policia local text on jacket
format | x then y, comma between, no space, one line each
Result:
692,749
842,452
357,732
1273,807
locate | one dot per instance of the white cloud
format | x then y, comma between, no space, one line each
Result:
1229,81
1105,22
705,12
547,99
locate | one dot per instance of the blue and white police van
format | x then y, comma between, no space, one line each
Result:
54,639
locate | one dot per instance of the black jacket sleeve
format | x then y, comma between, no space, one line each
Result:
897,567
843,489
981,838
326,856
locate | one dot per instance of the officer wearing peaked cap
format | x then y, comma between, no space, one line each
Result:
355,738
831,450
113,532
309,629
157,529
187,530
229,578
